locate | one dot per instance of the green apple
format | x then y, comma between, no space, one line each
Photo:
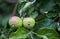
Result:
15,21
28,22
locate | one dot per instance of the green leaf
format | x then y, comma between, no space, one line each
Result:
34,14
58,28
29,10
0,19
20,1
57,1
46,23
19,34
49,15
49,33
33,36
45,7
5,20
1,1
1,38
59,14
20,6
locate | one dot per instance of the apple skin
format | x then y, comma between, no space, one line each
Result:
15,21
28,22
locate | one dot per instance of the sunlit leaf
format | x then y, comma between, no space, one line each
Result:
19,34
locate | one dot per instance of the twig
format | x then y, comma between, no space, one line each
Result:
30,33
36,34
15,8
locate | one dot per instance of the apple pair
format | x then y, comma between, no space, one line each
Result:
17,22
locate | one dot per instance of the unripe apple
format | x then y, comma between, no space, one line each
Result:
28,22
15,21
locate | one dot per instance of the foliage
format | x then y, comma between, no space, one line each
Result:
45,12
